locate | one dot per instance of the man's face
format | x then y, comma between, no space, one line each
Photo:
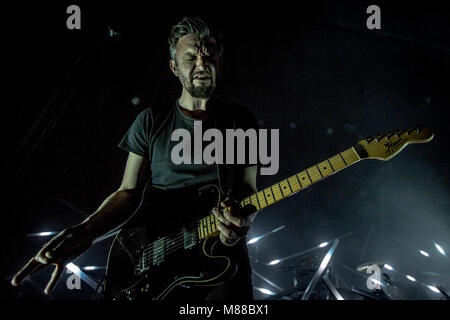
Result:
197,65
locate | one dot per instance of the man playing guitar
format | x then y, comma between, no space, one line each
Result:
196,59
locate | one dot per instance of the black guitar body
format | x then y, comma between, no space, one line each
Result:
149,262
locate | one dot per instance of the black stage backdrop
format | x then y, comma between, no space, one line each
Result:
312,70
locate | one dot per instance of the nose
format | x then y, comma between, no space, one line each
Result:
200,63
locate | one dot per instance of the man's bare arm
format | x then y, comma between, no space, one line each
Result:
73,241
119,206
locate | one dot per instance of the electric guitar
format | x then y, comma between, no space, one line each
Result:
148,261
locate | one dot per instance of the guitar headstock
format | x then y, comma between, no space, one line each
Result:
385,147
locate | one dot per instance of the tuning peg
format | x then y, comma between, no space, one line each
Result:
419,128
378,137
398,132
369,139
389,134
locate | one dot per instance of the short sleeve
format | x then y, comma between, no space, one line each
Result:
136,139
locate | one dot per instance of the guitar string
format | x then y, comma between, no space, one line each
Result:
177,241
177,236
173,248
164,250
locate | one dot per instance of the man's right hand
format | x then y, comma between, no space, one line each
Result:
65,246
72,242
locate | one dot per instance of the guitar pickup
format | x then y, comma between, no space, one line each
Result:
189,238
158,251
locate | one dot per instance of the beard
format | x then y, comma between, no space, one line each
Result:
202,92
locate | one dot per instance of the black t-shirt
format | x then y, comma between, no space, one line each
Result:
156,145
165,174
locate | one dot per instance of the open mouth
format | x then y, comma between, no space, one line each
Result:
202,78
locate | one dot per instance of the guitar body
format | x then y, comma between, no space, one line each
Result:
169,270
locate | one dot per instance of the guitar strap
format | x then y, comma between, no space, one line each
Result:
160,118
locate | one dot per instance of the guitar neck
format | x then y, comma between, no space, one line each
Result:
208,226
301,180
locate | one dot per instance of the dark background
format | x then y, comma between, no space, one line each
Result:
314,71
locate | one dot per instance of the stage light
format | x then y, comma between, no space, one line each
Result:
388,267
89,268
83,276
273,262
265,291
325,260
42,234
48,233
424,253
410,278
323,244
434,289
73,268
253,240
439,248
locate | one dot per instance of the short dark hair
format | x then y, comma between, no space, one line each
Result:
192,25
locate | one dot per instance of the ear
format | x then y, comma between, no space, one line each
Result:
173,67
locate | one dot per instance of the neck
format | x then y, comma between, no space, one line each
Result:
192,104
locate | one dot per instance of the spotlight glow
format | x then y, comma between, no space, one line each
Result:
424,253
73,268
42,234
273,262
323,244
439,248
411,278
388,267
434,289
325,260
89,268
266,291
253,240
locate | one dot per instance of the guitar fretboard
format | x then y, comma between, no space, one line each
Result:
208,226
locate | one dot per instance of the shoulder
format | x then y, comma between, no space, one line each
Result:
150,113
